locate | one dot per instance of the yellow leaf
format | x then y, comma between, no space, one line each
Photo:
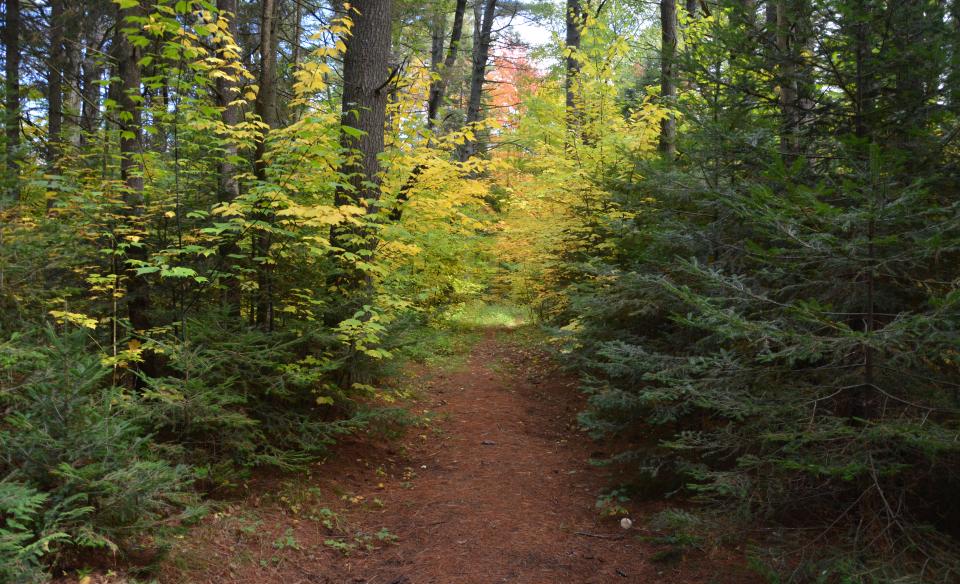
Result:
76,318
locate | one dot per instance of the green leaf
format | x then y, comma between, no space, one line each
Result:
178,272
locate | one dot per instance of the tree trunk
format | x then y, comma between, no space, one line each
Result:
481,52
227,92
55,92
366,76
574,116
439,86
668,83
71,75
266,105
437,34
858,404
787,80
55,87
953,77
297,33
92,73
266,108
228,187
131,170
11,42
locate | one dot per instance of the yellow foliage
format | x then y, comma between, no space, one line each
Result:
76,318
556,195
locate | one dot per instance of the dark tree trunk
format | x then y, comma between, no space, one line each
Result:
55,92
131,170
11,42
228,187
438,87
481,52
366,80
787,79
953,78
71,75
91,72
297,33
266,108
266,105
668,83
858,403
437,33
55,86
227,92
574,23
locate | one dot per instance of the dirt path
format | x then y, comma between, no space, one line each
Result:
496,489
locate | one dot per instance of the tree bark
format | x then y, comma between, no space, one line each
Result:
668,83
71,75
55,92
131,171
297,33
574,25
11,41
266,104
437,34
481,52
227,92
266,108
787,80
91,72
953,77
228,187
366,79
438,87
55,87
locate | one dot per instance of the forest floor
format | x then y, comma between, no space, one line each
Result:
493,486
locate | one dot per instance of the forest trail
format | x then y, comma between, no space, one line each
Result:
497,489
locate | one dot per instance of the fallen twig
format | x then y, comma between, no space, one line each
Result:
599,535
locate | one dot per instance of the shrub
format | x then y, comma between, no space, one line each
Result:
79,468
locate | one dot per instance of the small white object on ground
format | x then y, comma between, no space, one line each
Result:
626,523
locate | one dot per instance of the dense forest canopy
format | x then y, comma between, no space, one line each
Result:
738,219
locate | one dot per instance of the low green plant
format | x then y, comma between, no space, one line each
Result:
287,541
24,540
78,467
342,546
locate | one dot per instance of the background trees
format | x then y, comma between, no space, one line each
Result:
740,216
766,314
173,174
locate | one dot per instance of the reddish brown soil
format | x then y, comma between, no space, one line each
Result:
497,488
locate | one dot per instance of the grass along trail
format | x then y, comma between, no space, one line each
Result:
495,488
